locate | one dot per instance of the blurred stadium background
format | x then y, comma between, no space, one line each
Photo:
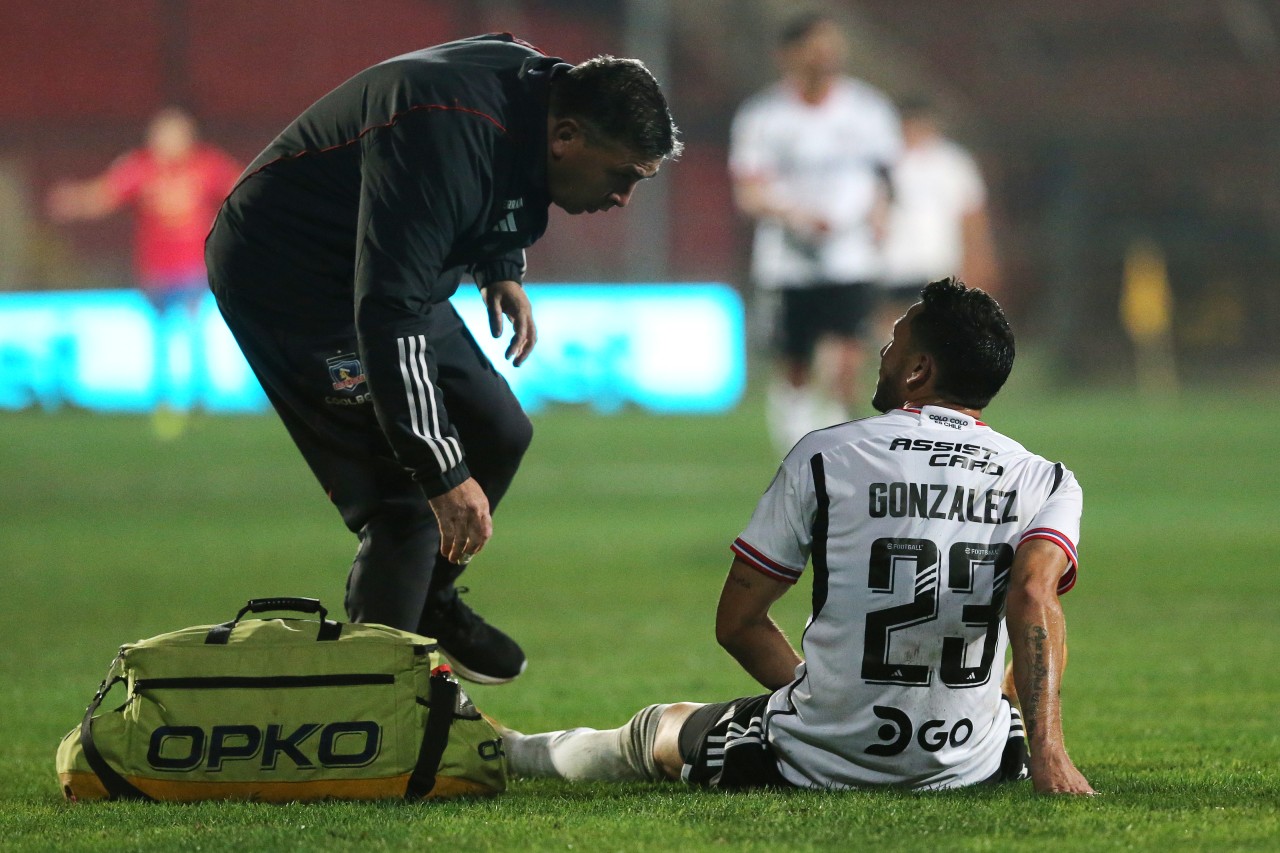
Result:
1096,125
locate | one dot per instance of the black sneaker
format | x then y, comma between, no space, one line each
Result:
476,650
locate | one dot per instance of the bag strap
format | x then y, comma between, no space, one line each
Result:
329,630
442,701
118,788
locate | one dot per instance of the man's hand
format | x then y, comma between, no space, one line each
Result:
808,228
1054,773
508,297
757,198
465,525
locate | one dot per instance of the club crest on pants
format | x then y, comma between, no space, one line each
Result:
346,376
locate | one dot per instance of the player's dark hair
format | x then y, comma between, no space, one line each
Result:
966,332
800,26
619,100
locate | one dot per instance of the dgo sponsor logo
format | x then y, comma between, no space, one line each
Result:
932,735
185,748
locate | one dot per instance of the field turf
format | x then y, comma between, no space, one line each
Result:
606,563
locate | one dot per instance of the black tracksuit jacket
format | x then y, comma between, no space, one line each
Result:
370,207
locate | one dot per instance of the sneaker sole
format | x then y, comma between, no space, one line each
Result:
479,677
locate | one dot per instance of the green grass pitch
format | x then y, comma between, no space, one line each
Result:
606,563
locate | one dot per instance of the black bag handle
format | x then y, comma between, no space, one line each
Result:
219,634
118,788
442,705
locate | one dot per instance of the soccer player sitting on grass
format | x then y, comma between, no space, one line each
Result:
935,543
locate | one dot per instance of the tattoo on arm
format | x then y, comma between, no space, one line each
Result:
736,580
1037,636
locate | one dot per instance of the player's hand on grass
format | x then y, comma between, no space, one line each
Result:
465,525
1056,774
509,298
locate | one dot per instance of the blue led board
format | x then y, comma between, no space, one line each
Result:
662,347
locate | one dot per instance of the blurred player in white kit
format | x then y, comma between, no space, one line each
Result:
810,159
938,222
936,542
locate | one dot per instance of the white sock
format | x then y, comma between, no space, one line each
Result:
623,754
789,414
828,412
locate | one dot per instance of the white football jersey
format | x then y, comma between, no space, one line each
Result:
822,158
911,520
934,187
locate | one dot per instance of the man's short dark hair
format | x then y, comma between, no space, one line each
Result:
800,26
619,100
966,332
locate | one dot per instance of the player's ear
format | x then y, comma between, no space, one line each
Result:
922,371
563,133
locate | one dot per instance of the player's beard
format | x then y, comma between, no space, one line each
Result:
884,401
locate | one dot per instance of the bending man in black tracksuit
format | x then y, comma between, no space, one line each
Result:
333,260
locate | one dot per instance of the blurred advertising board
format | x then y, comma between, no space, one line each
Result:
665,348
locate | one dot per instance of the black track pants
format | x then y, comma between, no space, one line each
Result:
397,565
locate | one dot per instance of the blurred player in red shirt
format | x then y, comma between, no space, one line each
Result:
174,184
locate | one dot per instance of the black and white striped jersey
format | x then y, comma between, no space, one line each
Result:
911,521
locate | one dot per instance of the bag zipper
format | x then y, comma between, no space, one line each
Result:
230,682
